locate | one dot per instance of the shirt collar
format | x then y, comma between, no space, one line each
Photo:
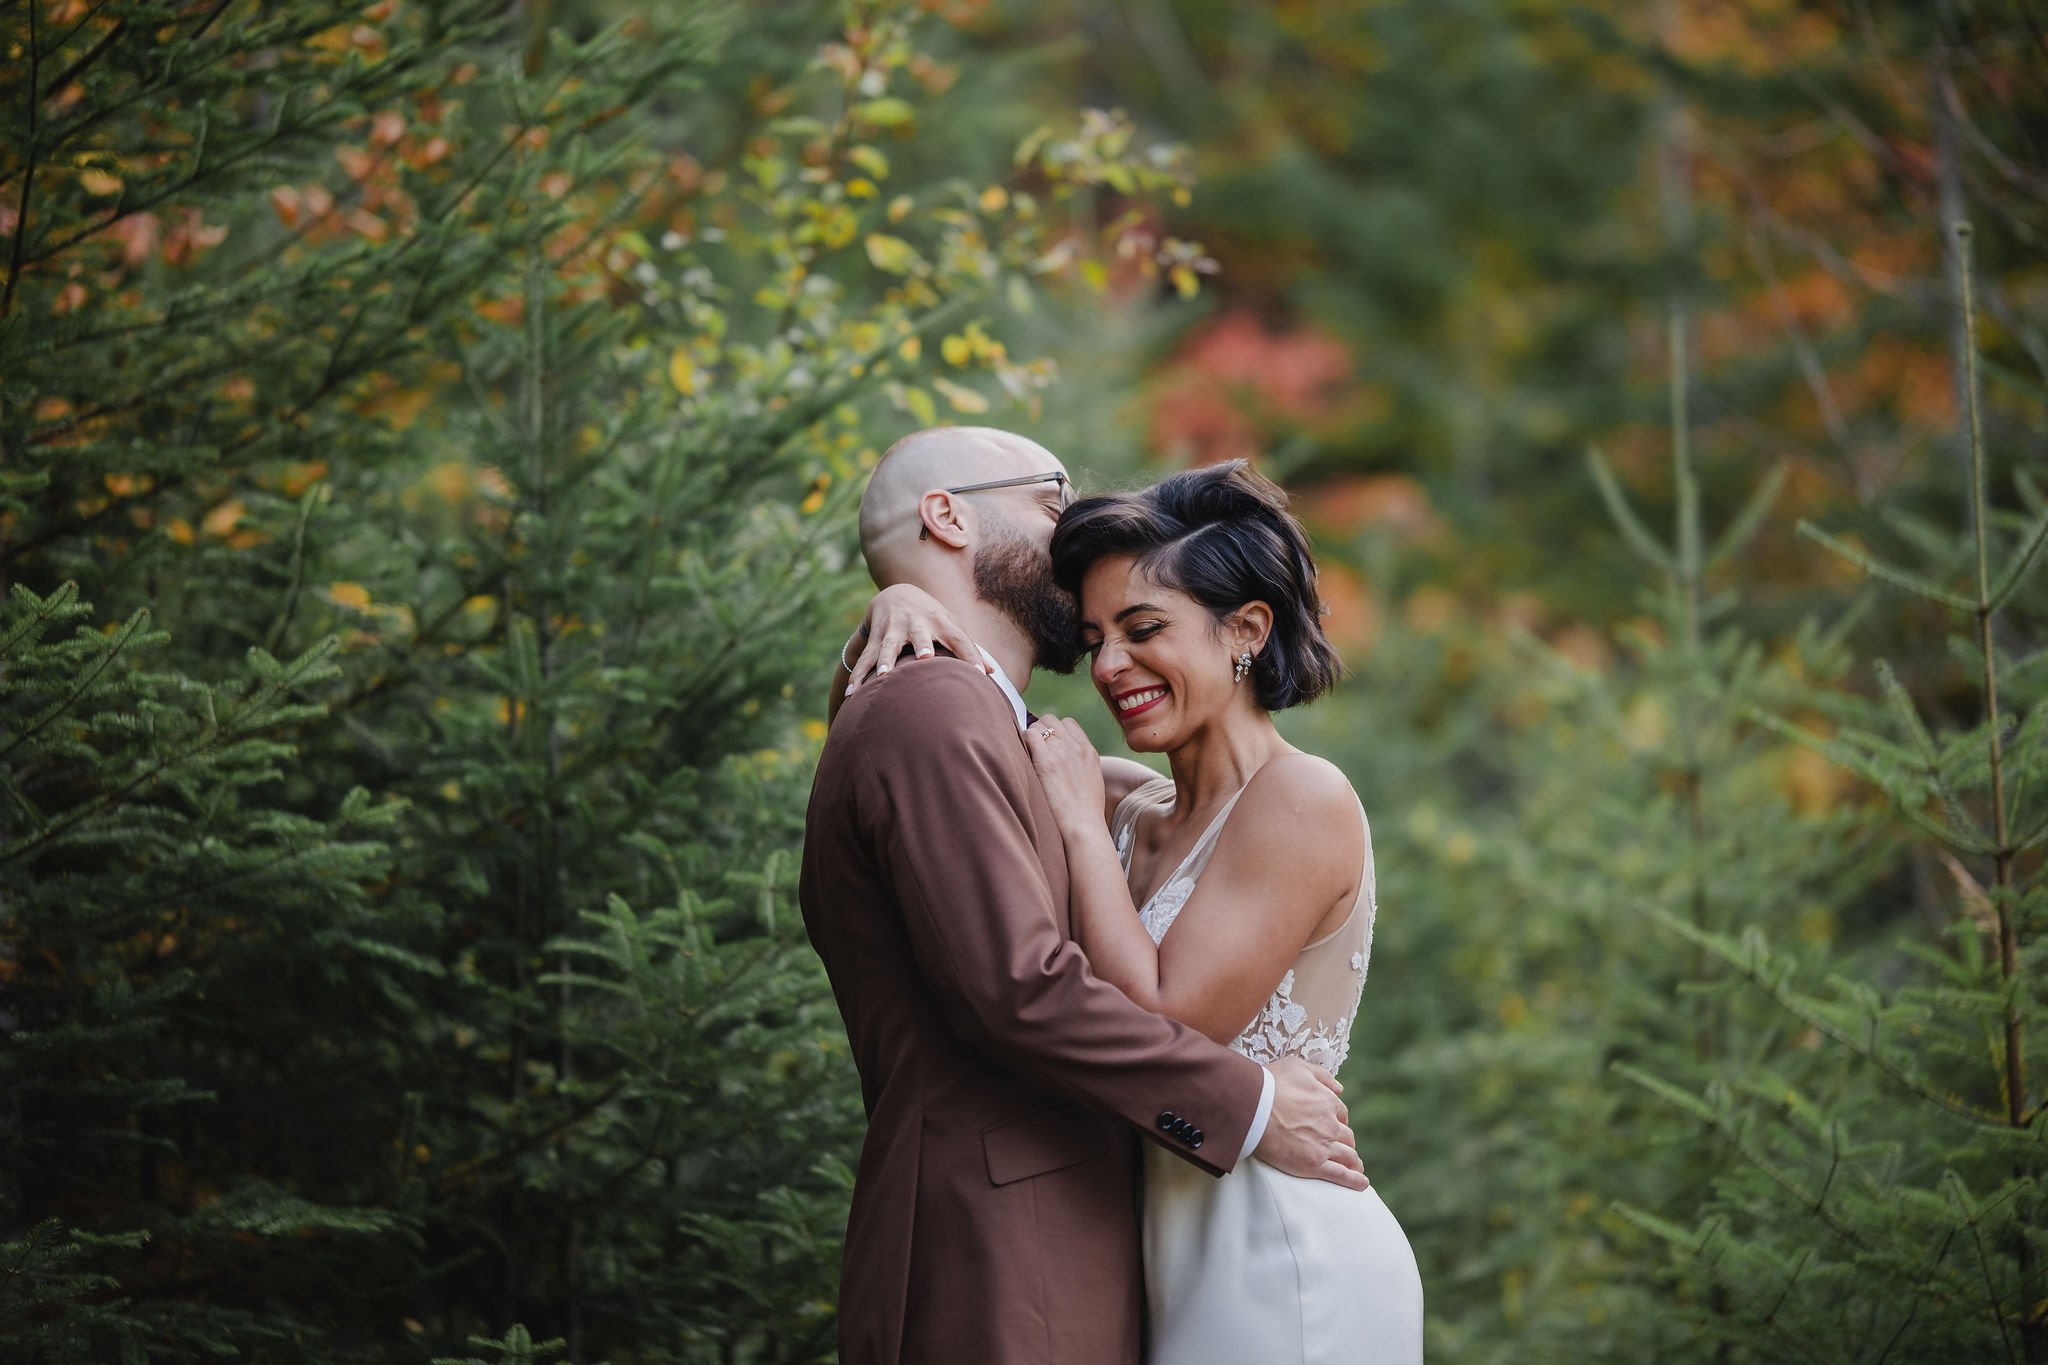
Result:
1002,680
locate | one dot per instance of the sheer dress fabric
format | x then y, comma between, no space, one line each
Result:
1260,1265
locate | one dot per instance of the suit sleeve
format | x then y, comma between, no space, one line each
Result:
946,797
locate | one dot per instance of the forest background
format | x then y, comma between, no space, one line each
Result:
429,434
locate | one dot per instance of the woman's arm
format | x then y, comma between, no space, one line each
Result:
1121,777
1265,892
899,616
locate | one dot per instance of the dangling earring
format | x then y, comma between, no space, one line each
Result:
1244,666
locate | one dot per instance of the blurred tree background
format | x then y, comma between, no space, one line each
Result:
428,440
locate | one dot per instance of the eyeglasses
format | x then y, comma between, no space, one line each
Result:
1067,494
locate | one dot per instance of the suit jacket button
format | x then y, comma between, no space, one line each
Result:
1167,1119
1195,1139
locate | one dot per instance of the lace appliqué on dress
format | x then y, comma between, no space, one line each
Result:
1165,907
1283,1030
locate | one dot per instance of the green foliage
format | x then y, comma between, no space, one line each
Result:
458,413
1897,1210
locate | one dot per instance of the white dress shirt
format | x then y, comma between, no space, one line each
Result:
1264,1113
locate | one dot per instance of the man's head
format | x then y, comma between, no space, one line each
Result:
931,517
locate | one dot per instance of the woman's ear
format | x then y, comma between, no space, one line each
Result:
1251,625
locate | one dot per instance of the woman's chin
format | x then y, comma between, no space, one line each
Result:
1147,739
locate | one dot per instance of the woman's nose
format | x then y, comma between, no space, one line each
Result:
1110,660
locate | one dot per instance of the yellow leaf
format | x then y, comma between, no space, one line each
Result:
1184,280
892,254
682,371
99,182
179,530
813,502
222,519
956,350
899,208
960,396
994,199
354,596
871,160
1095,275
911,349
888,112
1028,148
860,187
921,407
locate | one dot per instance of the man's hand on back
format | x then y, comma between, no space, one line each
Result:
1309,1132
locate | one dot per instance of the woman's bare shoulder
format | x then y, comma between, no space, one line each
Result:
1301,808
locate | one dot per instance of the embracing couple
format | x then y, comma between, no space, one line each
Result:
1040,952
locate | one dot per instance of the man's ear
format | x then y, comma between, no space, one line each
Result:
1251,625
945,518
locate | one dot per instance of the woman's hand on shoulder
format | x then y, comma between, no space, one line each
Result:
1069,769
904,614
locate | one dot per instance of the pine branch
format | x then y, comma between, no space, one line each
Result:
1877,568
1750,519
1624,517
1752,966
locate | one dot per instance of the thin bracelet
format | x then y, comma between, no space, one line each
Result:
842,650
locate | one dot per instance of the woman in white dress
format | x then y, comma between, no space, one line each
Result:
1236,896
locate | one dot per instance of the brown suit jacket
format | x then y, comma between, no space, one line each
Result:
994,1213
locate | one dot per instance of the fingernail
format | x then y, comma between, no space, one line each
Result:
924,654
881,668
849,689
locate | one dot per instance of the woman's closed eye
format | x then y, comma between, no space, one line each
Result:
1137,634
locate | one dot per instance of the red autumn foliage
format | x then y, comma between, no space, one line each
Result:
1237,377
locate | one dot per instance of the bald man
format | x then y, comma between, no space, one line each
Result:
994,1213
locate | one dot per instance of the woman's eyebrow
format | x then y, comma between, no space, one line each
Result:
1134,610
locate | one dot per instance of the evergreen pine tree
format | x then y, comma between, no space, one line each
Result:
1889,1205
396,919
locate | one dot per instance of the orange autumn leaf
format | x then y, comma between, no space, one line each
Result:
299,477
507,311
221,520
366,224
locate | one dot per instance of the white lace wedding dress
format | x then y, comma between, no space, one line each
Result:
1262,1268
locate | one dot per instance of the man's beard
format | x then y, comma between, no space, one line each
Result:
1014,577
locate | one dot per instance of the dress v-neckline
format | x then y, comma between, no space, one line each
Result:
1193,848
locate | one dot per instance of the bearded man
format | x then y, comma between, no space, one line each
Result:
994,1213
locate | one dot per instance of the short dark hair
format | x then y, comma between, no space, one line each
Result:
1222,535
